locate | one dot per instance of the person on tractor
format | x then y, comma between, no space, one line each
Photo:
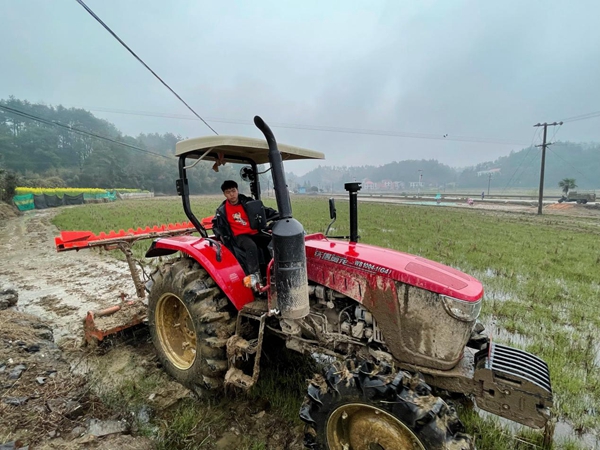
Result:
232,226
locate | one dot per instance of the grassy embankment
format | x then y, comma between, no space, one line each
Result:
541,276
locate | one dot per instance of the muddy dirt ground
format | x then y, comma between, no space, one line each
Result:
51,387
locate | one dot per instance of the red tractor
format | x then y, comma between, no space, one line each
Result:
391,326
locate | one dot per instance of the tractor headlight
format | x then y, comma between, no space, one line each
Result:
461,309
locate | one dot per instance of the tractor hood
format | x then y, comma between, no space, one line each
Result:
409,269
424,310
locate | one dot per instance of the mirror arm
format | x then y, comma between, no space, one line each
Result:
329,226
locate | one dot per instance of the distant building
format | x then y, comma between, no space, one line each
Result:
386,184
368,185
485,173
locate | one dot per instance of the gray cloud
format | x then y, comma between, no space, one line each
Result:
466,68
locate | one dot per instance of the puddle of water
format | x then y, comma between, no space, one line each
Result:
501,296
433,203
502,335
563,431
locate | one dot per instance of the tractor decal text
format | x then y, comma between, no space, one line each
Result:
368,267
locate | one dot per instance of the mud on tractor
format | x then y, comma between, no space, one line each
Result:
397,330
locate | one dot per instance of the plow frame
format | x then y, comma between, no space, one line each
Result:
121,240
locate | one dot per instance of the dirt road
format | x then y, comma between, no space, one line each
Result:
45,396
59,287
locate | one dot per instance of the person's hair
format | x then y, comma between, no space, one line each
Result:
228,184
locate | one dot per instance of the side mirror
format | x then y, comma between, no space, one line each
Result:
256,214
247,174
332,214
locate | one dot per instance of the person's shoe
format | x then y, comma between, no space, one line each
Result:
252,281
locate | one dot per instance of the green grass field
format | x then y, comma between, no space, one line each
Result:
541,276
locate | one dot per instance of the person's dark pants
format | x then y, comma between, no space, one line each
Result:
253,244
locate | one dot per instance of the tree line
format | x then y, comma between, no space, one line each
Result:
41,154
518,170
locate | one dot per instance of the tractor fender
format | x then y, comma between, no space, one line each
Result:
227,273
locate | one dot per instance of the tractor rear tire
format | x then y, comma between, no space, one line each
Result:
370,407
190,321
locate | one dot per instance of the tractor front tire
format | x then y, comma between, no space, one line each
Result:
368,407
190,321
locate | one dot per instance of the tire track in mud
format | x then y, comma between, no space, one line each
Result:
59,287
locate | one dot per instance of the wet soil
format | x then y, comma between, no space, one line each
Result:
61,388
59,287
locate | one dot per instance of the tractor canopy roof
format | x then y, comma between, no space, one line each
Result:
239,149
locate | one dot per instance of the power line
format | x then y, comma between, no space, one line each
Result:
572,166
556,131
524,166
536,131
75,130
329,129
582,117
93,14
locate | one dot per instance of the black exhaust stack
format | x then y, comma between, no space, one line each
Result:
291,280
352,189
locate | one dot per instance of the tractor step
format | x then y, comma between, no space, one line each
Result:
237,346
244,351
235,377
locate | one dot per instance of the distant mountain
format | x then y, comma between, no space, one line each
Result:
45,154
522,169
517,170
333,178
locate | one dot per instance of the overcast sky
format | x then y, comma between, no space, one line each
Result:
480,69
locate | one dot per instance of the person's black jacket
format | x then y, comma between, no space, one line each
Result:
221,227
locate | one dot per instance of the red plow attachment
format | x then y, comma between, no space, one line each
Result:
98,325
76,240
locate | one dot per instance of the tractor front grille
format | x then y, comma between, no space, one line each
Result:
512,362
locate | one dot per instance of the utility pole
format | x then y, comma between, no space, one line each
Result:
544,145
489,181
419,185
